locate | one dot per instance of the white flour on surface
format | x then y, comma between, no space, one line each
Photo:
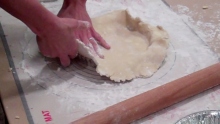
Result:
75,96
207,31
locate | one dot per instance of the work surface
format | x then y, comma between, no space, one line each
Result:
52,94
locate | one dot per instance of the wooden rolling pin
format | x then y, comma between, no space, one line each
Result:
156,99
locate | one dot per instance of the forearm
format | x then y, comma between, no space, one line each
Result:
32,13
74,2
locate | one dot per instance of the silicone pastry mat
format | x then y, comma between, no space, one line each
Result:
51,94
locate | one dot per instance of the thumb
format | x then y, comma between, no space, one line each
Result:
65,60
81,24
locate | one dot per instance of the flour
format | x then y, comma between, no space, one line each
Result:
186,54
182,9
91,100
207,31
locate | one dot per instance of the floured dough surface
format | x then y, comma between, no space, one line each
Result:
137,48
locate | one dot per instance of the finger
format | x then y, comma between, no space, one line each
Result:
81,24
95,46
83,38
52,53
65,60
73,51
72,56
88,44
100,39
76,33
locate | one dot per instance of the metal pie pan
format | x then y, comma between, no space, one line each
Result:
203,117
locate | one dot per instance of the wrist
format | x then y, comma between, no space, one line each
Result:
45,26
76,2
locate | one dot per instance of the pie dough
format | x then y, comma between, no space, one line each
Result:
137,48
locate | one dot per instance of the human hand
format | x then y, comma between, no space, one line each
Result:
76,9
59,40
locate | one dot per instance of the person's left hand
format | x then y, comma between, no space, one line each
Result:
77,10
58,39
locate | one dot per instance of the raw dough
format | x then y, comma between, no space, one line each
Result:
137,48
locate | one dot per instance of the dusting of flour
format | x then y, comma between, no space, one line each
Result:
208,31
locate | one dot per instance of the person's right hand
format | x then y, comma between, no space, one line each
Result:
58,39
76,9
